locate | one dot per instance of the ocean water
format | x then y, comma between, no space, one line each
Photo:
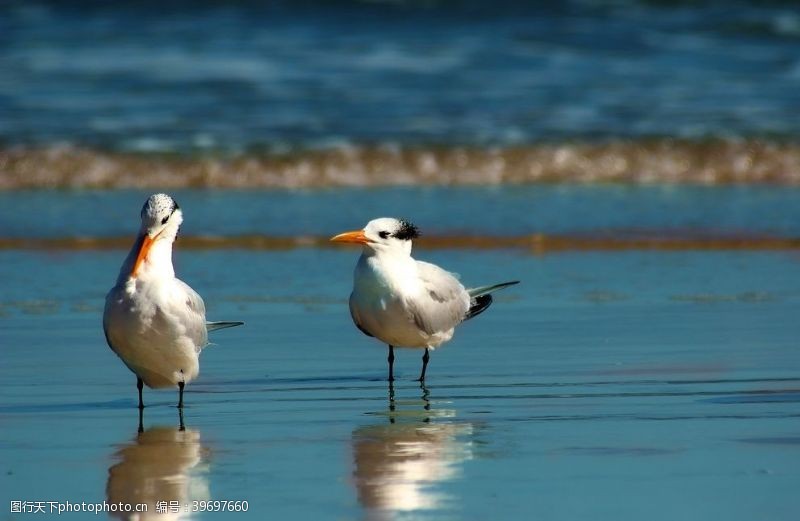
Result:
286,75
310,94
579,211
633,163
608,384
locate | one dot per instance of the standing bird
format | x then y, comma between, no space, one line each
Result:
154,321
402,301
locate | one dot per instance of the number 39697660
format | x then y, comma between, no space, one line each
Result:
219,506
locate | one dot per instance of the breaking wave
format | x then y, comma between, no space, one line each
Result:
640,162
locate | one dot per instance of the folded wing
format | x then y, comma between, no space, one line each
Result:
443,303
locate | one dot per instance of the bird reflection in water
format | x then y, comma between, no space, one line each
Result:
162,465
400,465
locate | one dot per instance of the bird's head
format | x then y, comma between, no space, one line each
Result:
160,214
386,234
161,219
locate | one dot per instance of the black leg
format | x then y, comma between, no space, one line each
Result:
391,397
425,359
181,427
140,385
180,394
141,419
391,363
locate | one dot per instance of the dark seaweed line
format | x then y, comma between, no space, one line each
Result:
535,243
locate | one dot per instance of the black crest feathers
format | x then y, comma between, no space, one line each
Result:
406,231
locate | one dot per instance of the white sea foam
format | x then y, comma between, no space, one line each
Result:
341,164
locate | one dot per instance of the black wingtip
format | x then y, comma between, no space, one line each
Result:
216,326
478,305
485,290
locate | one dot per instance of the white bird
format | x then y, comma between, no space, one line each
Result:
154,321
402,301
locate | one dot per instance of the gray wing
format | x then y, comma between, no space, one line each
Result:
443,303
195,315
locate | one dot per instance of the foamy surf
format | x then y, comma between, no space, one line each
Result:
639,162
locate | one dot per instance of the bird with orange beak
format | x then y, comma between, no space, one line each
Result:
404,302
153,321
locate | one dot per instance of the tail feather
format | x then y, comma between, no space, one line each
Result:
485,290
213,326
481,298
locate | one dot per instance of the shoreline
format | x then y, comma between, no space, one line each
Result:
533,243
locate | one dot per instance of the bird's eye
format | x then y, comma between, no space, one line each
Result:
384,235
164,220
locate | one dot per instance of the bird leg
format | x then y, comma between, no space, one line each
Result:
425,359
391,363
181,427
140,385
180,394
141,420
391,399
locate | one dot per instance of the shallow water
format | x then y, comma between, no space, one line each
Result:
502,211
608,385
614,383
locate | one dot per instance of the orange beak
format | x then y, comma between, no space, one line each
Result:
144,249
356,237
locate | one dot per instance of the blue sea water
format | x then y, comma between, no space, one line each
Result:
614,386
212,76
605,211
611,385
608,385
